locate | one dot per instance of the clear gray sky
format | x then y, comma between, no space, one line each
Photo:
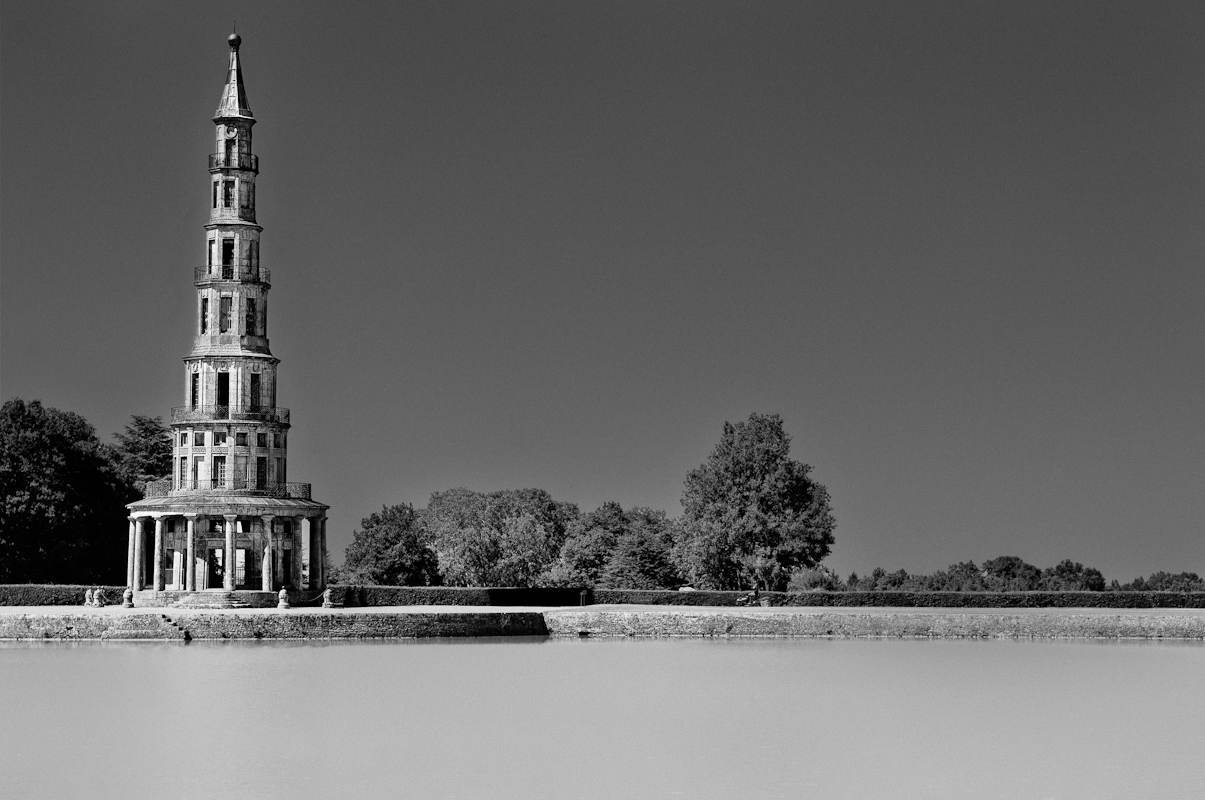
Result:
957,245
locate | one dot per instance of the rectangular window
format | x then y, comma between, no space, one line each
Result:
255,392
219,438
184,440
204,315
240,440
182,478
224,317
229,152
250,316
223,389
276,440
215,194
261,440
198,439
227,194
219,471
209,254
280,471
195,392
261,472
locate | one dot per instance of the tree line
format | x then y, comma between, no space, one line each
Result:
752,518
1003,574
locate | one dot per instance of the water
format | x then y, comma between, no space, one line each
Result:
603,719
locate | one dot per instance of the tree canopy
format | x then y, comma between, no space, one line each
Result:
752,515
64,516
504,538
391,549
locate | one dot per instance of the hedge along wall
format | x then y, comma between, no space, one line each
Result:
454,596
467,596
53,594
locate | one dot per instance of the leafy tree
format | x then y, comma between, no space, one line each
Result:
64,516
144,450
1011,574
391,549
505,538
1072,576
752,515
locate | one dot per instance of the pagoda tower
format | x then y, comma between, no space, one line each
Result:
227,520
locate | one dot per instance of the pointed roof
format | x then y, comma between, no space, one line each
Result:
234,95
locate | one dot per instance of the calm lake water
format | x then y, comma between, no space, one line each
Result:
603,719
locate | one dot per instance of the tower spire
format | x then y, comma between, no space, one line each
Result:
234,96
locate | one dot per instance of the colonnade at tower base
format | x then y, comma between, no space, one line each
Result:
230,551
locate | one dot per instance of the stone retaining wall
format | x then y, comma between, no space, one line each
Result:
165,624
853,624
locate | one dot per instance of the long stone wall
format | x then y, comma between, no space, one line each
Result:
50,623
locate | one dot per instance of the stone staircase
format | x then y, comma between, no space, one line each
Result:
210,600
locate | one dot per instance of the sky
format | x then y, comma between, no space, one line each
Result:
956,245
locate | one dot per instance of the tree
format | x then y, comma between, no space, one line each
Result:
391,549
64,516
752,515
505,538
641,556
144,451
1011,574
589,542
1072,576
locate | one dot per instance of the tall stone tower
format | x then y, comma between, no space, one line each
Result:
228,520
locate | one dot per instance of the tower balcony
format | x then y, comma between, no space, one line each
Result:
245,161
233,272
231,484
186,414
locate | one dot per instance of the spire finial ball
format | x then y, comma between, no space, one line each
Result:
235,40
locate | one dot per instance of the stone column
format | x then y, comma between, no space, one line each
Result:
158,554
130,553
266,568
190,568
228,578
279,571
322,552
310,540
136,584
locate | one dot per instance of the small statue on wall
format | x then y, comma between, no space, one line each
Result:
87,598
98,598
127,598
282,598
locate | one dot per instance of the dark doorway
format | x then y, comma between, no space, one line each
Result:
227,259
223,388
214,574
255,391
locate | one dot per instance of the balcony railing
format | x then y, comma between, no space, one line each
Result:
232,272
234,161
231,413
232,484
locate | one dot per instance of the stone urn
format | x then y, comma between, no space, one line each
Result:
282,599
127,598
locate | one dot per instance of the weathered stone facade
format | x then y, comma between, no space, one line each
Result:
228,519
